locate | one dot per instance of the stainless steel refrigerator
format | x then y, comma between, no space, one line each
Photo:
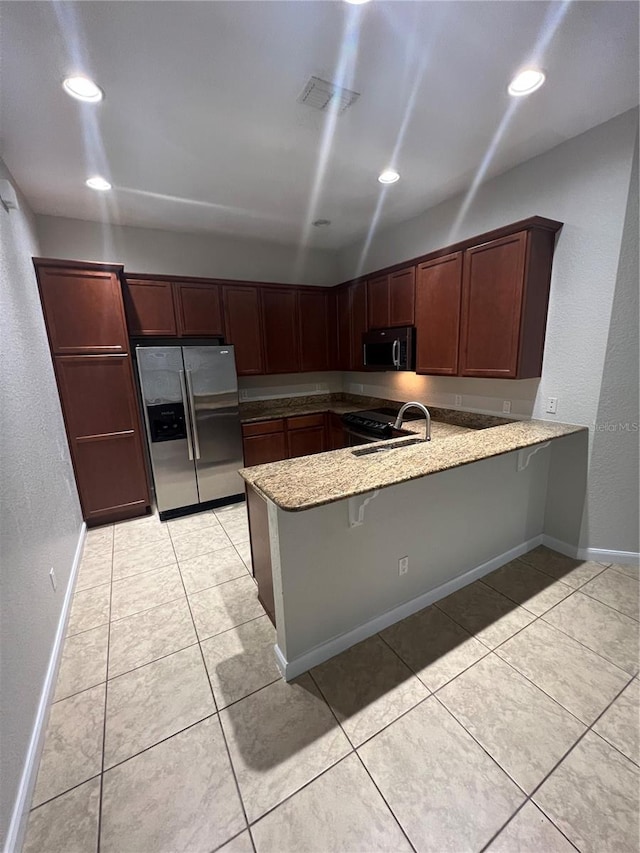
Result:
190,403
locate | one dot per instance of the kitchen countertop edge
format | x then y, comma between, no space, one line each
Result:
307,482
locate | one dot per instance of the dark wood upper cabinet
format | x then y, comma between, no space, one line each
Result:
358,323
402,288
149,306
352,321
343,311
280,330
314,311
390,299
199,309
83,309
378,302
437,315
243,328
497,309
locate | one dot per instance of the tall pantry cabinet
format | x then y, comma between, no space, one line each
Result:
85,321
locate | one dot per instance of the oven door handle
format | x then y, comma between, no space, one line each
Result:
395,353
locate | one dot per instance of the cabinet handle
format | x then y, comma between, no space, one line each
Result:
192,409
186,416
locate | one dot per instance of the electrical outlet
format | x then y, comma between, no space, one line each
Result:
506,407
243,395
458,400
403,565
52,578
552,405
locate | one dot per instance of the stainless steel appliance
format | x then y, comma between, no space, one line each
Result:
370,425
389,349
190,403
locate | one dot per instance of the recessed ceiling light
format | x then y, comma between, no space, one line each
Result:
83,89
356,2
526,82
98,183
389,176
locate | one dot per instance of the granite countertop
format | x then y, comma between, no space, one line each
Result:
341,403
311,481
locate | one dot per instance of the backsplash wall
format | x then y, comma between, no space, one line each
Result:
476,395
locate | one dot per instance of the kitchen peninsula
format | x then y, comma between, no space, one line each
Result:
328,530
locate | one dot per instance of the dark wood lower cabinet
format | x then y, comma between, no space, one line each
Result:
110,475
100,411
306,434
261,551
260,449
335,432
287,438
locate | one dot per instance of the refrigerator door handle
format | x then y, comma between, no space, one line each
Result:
192,413
187,415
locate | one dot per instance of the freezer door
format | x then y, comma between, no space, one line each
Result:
212,388
166,414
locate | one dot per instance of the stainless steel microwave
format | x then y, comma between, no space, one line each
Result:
389,349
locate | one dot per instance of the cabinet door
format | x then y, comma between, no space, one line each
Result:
100,411
402,287
358,324
83,309
438,292
243,328
199,309
280,330
149,308
304,442
111,476
315,337
343,311
492,285
260,449
378,302
97,394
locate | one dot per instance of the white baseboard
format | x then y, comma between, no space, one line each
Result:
599,555
292,668
20,814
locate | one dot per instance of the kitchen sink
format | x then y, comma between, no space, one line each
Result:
365,451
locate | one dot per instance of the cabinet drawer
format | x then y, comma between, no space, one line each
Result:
263,427
305,421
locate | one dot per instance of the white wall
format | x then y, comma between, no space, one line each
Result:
40,519
149,250
585,183
330,578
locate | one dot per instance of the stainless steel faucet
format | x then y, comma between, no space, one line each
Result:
425,412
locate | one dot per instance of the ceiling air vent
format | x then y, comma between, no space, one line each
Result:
320,94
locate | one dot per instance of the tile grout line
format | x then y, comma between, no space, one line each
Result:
215,703
493,759
524,627
563,757
354,750
453,678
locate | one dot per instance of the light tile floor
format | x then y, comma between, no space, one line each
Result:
502,718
